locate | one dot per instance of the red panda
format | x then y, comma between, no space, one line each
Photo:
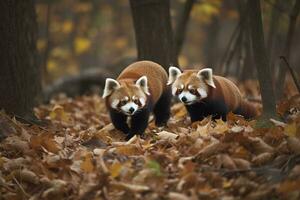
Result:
205,94
140,89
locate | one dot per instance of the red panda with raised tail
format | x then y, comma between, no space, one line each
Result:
205,94
140,89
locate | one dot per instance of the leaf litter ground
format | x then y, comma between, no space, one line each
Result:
79,155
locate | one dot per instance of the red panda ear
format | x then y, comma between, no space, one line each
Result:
174,72
110,86
207,75
143,84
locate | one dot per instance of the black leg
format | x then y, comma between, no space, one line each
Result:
139,123
119,121
162,108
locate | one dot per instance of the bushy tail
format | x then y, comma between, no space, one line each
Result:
248,110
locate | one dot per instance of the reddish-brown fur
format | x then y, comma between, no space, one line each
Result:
156,75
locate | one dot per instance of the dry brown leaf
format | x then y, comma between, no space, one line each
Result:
168,136
177,196
289,186
227,162
27,176
130,187
45,140
257,145
263,158
242,163
210,150
293,144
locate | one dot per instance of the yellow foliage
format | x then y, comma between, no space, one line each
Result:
82,44
183,61
121,42
67,26
83,7
58,113
52,65
41,44
291,129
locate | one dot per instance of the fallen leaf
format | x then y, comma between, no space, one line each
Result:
87,164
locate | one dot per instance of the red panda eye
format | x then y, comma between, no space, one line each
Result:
193,91
123,102
136,101
179,91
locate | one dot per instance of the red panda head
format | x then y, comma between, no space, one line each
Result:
190,86
126,96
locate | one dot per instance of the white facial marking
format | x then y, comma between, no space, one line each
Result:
143,101
130,105
202,92
115,103
190,98
174,90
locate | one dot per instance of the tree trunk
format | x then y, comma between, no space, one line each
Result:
261,60
286,52
19,75
182,26
153,31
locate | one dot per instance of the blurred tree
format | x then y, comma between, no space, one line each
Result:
261,59
287,47
181,27
153,31
20,81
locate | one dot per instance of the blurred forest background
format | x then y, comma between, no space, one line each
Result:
90,36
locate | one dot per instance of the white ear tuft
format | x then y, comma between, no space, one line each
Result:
143,84
207,75
110,86
174,72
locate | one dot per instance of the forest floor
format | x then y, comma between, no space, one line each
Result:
79,155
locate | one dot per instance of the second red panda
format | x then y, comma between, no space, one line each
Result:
205,94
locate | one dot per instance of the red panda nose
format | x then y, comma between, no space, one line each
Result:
183,99
131,110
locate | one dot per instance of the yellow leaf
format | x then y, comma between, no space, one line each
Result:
221,126
120,42
87,163
58,113
291,129
180,113
82,45
115,169
41,44
52,66
67,26
128,150
183,61
227,184
203,130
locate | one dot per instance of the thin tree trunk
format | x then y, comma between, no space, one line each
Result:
182,26
20,76
153,31
273,29
289,38
261,60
